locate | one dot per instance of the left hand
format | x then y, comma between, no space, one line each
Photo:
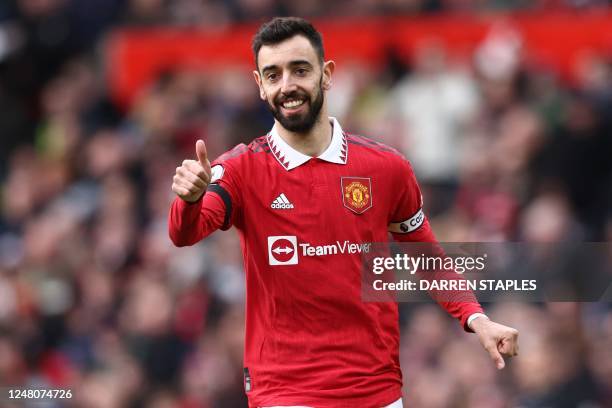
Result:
499,340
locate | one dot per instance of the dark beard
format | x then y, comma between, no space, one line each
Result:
299,123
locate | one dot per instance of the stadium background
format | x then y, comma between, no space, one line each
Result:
503,106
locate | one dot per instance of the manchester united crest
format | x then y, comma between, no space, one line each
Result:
357,193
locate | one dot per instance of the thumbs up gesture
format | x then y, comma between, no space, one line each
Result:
193,176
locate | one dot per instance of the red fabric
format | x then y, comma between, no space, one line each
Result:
310,339
409,203
459,304
189,223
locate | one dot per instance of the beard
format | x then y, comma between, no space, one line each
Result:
303,122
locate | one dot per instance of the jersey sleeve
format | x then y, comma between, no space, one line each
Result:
219,207
408,223
407,220
188,223
225,183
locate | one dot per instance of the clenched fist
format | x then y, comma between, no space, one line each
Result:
193,176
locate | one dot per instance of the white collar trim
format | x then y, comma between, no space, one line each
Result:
289,158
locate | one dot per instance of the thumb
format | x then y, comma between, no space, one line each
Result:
201,153
497,358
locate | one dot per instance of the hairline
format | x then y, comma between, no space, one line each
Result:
320,55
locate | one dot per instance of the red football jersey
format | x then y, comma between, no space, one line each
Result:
303,223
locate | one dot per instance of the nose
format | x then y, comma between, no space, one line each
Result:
288,84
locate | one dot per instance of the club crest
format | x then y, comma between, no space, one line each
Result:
357,193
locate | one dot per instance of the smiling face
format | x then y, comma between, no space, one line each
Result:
292,81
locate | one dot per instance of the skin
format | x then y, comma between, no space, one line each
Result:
292,70
193,176
498,340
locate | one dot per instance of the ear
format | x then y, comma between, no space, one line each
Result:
257,77
328,70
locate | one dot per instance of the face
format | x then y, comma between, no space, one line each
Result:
292,81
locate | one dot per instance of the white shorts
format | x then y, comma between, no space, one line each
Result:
396,404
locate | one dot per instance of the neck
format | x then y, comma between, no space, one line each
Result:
312,143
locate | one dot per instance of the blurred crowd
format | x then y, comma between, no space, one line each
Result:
94,297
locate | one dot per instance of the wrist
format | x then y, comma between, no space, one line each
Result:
476,320
191,202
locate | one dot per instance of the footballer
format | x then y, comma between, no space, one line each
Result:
306,199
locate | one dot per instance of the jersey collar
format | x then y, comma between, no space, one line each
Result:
289,158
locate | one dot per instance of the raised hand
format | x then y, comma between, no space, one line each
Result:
192,177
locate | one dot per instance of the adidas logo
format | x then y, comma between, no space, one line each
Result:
281,203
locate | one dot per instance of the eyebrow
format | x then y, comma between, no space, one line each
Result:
291,64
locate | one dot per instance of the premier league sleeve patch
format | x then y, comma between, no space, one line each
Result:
357,193
216,172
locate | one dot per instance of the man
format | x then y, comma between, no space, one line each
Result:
299,197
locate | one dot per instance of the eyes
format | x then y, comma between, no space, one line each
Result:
274,76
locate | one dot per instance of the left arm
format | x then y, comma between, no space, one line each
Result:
409,224
462,305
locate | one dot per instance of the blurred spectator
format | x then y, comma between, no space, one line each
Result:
94,297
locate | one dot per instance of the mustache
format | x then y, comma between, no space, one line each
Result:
293,95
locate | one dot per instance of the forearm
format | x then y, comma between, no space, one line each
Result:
189,223
460,304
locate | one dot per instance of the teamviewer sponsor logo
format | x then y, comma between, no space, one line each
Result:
282,250
281,203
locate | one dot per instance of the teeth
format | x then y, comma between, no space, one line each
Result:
292,104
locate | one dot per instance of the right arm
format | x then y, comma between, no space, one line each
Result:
189,223
195,213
